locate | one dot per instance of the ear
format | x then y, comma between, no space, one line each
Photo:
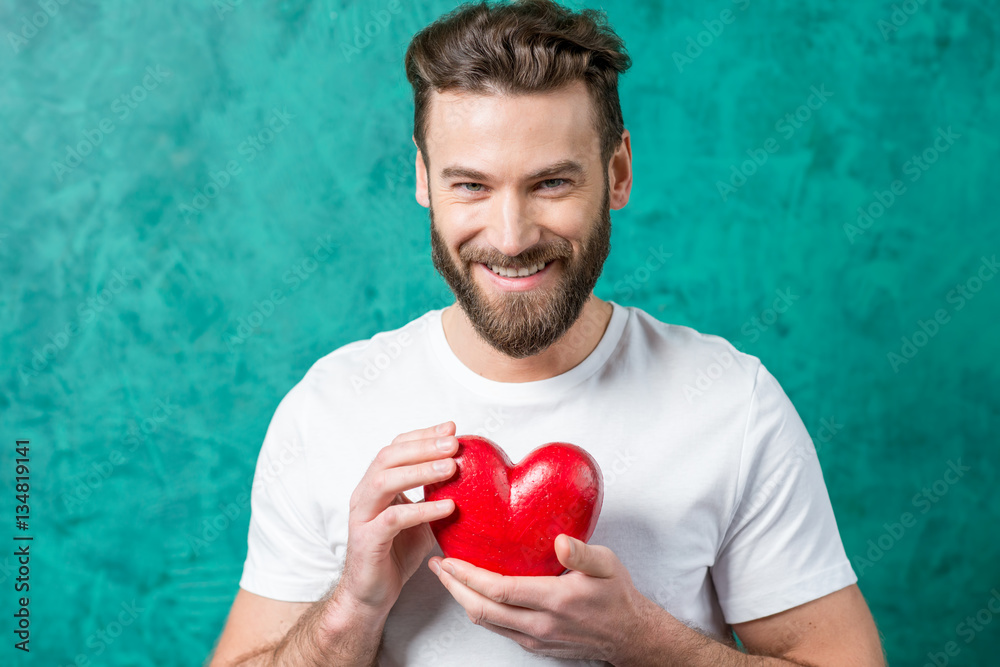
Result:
620,173
421,190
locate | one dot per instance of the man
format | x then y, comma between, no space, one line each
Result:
715,519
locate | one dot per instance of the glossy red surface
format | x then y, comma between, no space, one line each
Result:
507,517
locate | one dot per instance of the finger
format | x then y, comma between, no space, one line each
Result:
552,649
526,641
590,559
412,452
444,428
415,451
529,592
480,608
397,518
377,490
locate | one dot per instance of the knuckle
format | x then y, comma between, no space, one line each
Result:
543,629
390,519
557,600
383,454
532,644
379,483
505,592
477,615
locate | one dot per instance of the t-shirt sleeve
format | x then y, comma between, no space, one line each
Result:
782,547
288,555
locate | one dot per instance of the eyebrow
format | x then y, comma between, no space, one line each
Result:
561,167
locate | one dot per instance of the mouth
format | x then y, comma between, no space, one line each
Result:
515,280
517,273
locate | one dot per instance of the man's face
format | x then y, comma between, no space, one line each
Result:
511,215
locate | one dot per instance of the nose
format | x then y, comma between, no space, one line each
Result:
513,228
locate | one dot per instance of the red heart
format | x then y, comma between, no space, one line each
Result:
507,517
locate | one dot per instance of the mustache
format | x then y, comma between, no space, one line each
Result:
525,260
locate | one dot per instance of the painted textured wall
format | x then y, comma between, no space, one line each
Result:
161,289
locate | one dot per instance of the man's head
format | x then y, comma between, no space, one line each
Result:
502,94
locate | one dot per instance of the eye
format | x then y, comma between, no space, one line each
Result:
559,182
462,185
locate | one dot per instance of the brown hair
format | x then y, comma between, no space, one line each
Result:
529,46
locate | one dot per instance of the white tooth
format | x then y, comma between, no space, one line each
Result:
523,272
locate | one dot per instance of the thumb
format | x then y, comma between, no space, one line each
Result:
574,554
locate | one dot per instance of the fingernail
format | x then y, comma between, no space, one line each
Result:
442,466
449,567
572,547
444,444
442,427
435,568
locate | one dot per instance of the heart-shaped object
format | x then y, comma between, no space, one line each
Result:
507,517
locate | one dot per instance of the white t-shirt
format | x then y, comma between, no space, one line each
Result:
714,498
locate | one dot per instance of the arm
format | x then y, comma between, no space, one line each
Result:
387,539
261,631
595,612
836,629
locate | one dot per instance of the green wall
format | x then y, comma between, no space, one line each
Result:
134,325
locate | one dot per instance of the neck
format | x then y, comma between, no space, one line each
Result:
566,353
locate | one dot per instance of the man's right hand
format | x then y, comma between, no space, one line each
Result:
387,540
388,536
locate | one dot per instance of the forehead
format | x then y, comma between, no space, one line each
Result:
499,128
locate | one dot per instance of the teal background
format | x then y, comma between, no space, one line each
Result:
161,373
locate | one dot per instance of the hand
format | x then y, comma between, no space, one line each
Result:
388,536
592,612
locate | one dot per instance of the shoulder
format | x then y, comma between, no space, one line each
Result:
698,363
349,370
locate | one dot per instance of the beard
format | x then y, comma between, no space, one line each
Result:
523,324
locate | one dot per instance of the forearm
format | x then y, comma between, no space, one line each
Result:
664,641
328,633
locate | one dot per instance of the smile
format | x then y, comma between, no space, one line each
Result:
517,273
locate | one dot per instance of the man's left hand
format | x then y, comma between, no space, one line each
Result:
592,612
